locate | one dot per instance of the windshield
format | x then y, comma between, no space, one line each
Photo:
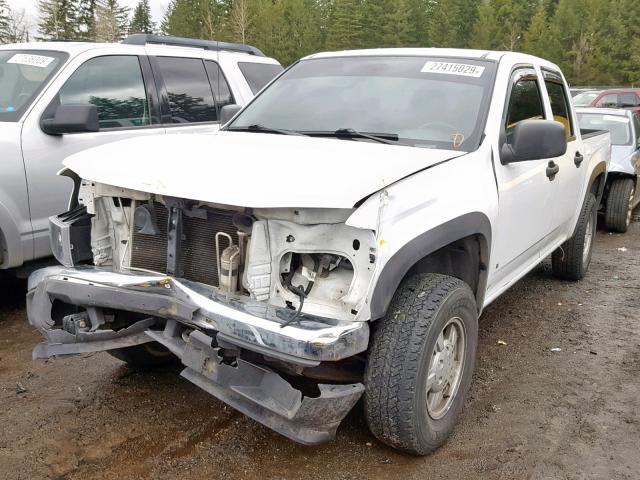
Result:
418,101
617,125
23,73
584,99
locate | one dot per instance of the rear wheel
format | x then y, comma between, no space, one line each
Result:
141,357
571,261
420,364
619,205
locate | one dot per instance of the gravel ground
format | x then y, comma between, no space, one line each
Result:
532,412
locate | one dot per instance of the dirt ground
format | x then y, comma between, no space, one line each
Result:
532,412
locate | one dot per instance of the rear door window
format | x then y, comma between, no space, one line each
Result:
559,102
114,84
525,101
258,75
188,90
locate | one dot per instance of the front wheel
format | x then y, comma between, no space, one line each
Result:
420,363
571,261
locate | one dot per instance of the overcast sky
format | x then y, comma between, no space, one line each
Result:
31,7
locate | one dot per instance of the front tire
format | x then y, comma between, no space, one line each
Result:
420,364
619,206
571,261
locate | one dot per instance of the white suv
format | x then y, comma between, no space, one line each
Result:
60,98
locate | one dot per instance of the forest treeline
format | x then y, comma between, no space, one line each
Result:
593,41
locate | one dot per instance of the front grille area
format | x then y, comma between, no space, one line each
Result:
198,246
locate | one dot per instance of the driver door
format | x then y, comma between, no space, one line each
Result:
525,192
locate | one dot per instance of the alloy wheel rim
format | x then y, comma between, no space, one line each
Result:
630,211
446,365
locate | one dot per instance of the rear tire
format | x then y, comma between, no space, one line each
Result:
571,261
417,373
145,356
619,205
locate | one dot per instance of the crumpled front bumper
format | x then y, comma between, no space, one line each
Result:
255,390
252,325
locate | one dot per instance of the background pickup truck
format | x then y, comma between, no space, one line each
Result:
60,98
385,198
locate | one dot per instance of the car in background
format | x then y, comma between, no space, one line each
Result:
585,98
620,197
58,98
618,98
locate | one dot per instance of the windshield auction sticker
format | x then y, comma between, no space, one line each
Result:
32,60
448,68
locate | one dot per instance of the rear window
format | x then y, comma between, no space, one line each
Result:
258,74
618,126
23,74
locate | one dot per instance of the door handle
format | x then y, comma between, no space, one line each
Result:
552,169
578,159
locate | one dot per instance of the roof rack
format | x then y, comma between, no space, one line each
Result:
145,39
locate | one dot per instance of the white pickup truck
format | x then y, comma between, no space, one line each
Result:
338,239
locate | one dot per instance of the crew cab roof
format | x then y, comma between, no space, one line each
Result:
440,52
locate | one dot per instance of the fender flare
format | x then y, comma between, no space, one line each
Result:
474,223
9,240
599,169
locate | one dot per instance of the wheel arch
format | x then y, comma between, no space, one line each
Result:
10,244
598,181
459,247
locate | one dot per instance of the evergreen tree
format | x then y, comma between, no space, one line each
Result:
501,24
58,20
141,19
396,31
85,20
345,28
536,38
111,21
196,19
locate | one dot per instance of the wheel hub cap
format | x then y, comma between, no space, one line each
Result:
445,368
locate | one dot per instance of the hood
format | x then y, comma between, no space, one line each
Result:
255,170
623,158
10,131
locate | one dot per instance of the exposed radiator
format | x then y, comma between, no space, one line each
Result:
198,246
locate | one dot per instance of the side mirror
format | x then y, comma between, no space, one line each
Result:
228,112
72,119
535,140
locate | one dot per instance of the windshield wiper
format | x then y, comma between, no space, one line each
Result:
389,138
261,128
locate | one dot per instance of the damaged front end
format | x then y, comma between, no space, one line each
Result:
266,308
